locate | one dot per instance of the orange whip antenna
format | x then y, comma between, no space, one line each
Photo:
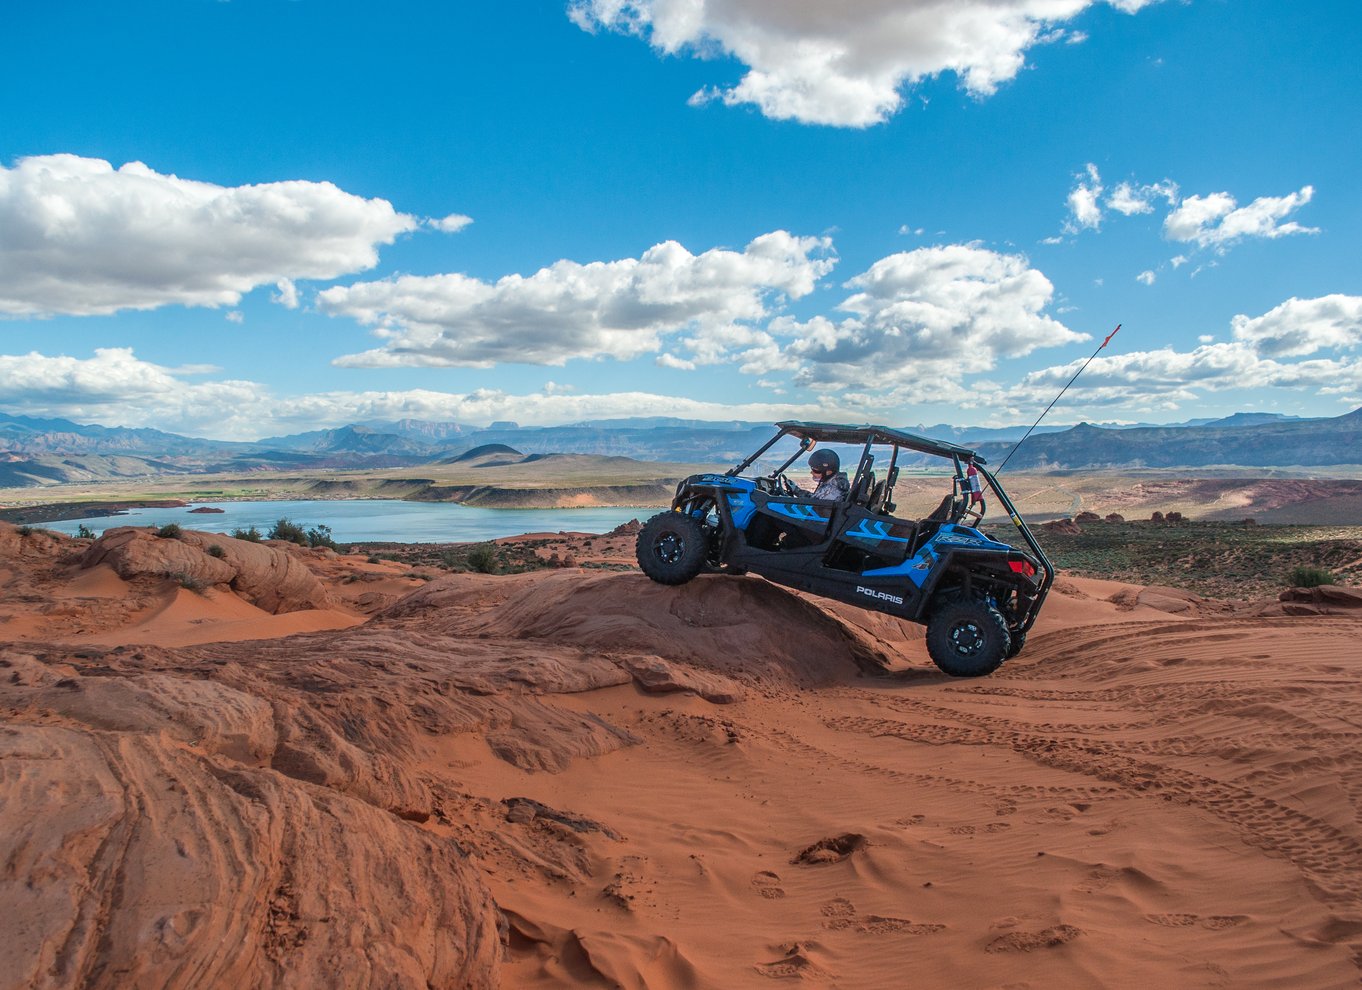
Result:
1057,398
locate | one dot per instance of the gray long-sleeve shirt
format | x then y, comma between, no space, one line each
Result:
832,489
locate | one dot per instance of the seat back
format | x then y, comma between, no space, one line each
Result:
860,495
875,501
943,512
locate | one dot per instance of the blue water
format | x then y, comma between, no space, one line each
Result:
373,520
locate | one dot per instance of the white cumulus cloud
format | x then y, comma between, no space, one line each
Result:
115,387
618,309
1217,220
1303,326
451,224
950,310
1164,377
78,236
1129,199
842,64
1085,210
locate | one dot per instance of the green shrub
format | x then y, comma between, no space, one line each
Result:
251,535
320,536
1310,577
84,532
290,531
216,551
483,558
170,531
189,582
26,530
373,558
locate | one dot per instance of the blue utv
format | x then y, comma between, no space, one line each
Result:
976,595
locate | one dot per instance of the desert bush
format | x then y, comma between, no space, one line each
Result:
189,582
290,531
84,532
483,558
170,531
320,536
251,535
373,558
1310,577
25,530
216,551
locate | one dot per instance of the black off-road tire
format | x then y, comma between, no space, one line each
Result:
1018,641
672,547
968,638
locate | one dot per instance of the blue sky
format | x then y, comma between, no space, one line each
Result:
245,218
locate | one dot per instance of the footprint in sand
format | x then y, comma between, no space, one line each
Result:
1215,922
1098,879
767,884
840,915
1046,938
796,964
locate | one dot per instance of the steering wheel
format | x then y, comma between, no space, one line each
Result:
778,484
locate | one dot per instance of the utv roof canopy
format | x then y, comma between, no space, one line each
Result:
834,433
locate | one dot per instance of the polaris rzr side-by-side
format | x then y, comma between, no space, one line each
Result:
976,595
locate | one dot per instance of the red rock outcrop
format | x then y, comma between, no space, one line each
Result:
1326,599
268,576
157,846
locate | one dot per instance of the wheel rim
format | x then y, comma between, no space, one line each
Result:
669,548
967,638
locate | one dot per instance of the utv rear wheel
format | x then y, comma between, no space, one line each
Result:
1018,641
672,547
968,638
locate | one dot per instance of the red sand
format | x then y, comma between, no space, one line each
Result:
518,781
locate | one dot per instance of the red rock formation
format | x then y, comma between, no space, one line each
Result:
271,577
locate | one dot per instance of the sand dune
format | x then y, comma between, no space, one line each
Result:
579,778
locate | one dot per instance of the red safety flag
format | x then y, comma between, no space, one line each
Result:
1110,335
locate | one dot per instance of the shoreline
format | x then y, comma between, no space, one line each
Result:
50,512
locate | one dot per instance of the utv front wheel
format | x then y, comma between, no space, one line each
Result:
968,638
672,547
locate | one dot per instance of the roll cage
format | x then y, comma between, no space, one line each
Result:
955,508
977,594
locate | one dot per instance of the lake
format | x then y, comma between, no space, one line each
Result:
372,520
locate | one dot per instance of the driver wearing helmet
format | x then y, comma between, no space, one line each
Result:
833,485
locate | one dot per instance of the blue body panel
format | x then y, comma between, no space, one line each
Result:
737,492
919,567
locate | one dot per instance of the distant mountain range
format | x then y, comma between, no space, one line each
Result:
1243,440
49,451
